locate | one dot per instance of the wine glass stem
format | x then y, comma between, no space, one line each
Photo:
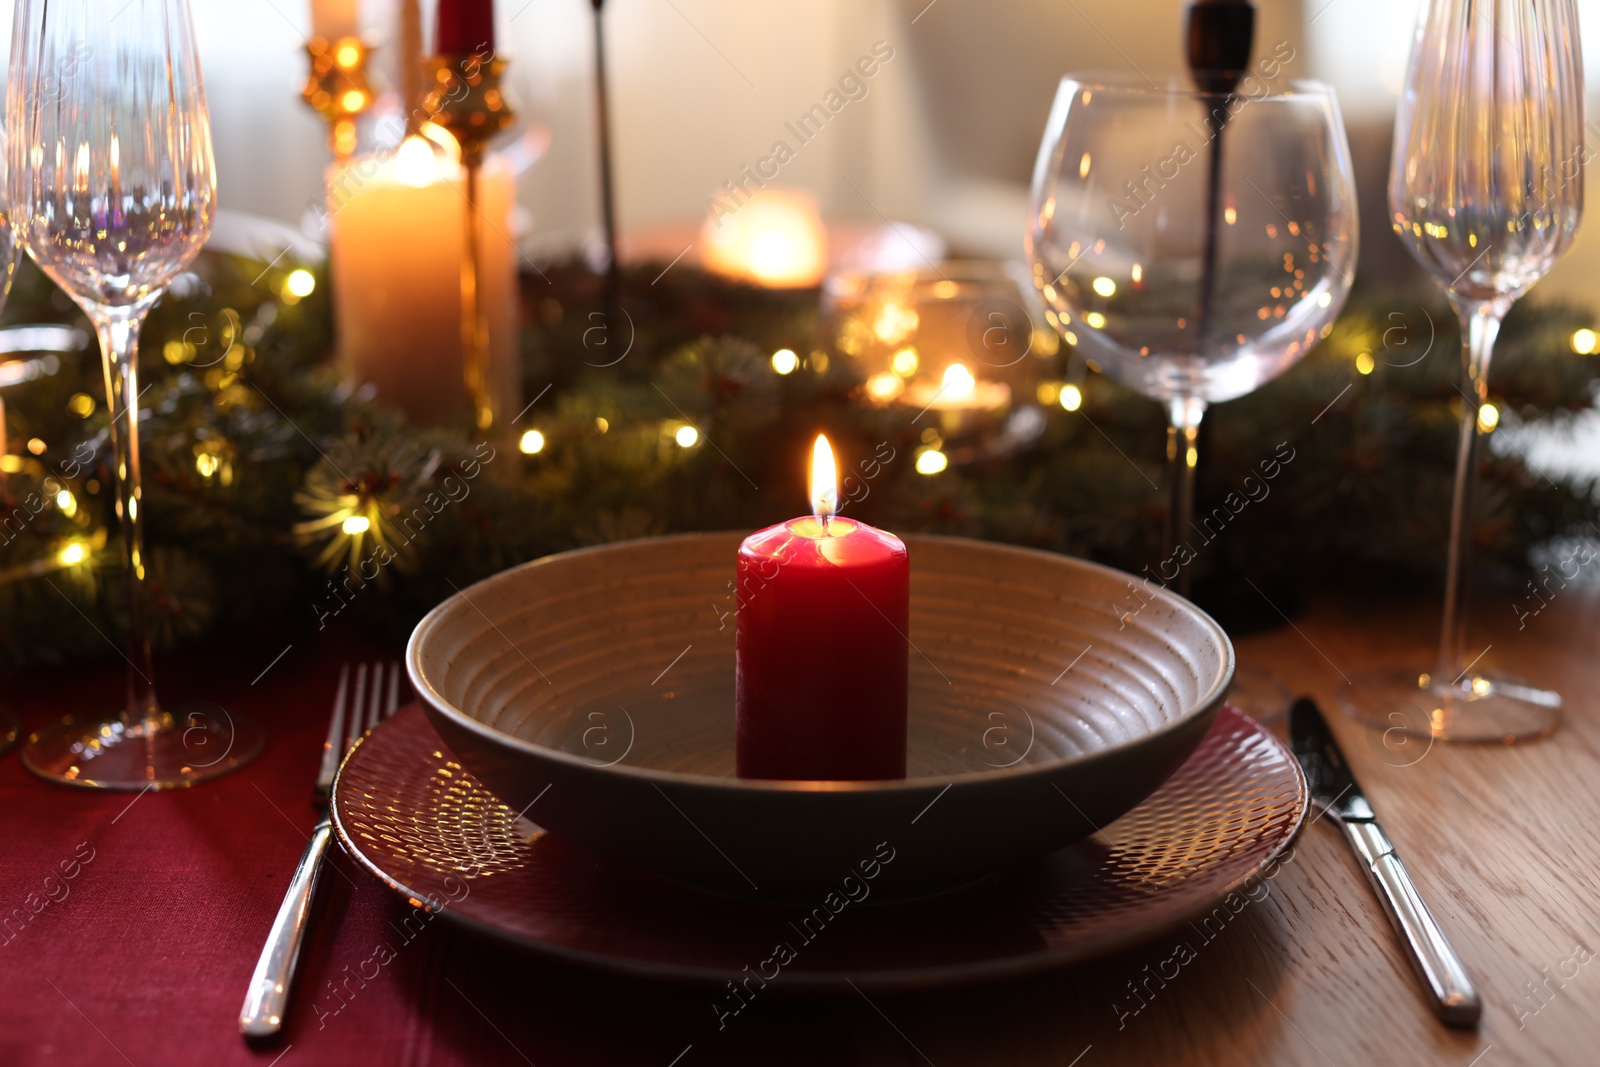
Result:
1183,454
118,328
1480,324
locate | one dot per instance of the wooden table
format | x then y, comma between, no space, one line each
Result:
1503,842
145,961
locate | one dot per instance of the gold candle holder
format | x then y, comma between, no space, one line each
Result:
464,98
337,88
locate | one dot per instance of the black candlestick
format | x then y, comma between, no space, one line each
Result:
1220,35
608,208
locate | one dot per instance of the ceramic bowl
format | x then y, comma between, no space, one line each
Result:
595,690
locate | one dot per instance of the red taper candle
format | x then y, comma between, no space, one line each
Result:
820,680
465,27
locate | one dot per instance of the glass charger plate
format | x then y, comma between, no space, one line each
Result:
409,813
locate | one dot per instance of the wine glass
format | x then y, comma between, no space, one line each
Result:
1486,189
1119,245
112,187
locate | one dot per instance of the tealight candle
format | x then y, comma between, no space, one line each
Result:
775,239
824,606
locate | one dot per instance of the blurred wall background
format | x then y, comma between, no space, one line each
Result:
945,136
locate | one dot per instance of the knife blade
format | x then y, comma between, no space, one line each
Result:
1334,789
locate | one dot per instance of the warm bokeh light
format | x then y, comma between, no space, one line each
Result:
1488,418
356,524
1365,363
895,323
1105,286
687,436
532,441
774,239
784,361
1585,342
67,503
301,282
1071,397
884,386
824,481
958,382
904,362
932,461
71,554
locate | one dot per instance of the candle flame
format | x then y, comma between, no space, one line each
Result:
958,381
824,482
414,163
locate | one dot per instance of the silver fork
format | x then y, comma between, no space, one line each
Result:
266,1001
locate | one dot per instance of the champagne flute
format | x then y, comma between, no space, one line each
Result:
112,188
10,254
1486,189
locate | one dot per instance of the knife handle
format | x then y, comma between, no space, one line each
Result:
1436,963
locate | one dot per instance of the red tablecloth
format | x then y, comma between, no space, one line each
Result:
137,950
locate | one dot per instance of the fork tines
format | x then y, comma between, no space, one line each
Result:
356,713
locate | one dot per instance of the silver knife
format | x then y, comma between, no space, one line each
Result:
1334,789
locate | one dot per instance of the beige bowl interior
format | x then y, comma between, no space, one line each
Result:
624,655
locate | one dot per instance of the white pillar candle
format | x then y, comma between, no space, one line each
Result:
333,19
398,236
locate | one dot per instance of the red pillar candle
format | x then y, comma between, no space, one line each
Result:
465,27
824,605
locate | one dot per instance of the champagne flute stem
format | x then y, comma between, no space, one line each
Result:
118,328
608,202
1480,324
1183,454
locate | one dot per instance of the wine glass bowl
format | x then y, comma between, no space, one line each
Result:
112,188
1118,234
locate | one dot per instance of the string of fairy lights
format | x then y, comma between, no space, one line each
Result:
357,517
257,382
